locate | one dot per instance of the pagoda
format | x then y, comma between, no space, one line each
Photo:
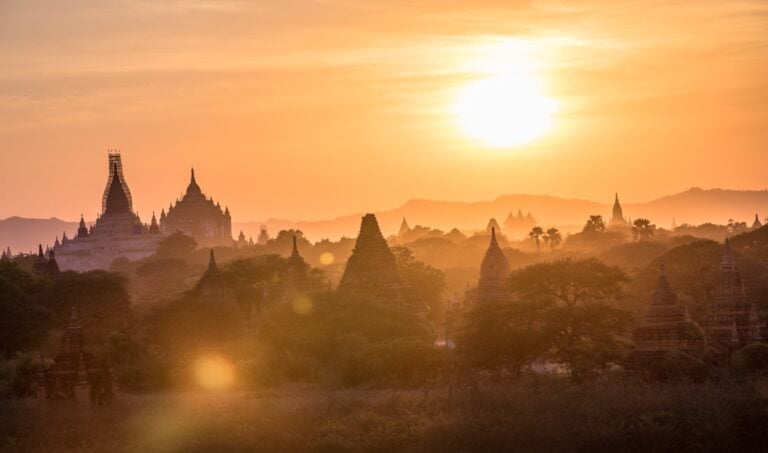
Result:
371,271
757,223
666,327
404,228
493,271
493,225
730,320
296,276
198,217
617,216
118,231
263,236
76,374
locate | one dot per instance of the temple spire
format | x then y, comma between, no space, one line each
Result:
295,252
212,267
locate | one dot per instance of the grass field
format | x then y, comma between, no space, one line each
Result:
542,414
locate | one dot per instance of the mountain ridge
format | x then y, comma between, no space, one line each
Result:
694,205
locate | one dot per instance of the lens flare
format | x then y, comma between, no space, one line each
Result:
214,373
327,258
301,305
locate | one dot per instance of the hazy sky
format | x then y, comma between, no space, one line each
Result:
305,109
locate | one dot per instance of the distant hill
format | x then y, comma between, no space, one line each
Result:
23,235
693,206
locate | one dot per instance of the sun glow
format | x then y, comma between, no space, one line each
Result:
214,373
506,107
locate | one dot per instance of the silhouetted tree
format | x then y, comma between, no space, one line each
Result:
536,233
554,238
177,245
427,281
583,323
735,227
23,322
506,337
594,225
642,229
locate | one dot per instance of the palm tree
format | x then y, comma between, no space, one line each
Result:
554,238
536,233
642,229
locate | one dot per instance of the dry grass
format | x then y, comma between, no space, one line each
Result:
532,415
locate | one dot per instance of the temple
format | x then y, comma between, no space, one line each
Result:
731,321
263,236
198,217
757,223
48,267
666,327
617,216
404,228
493,271
76,374
519,225
118,231
493,225
371,272
211,288
297,272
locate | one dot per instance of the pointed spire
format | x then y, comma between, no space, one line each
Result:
295,252
494,243
193,190
212,267
117,201
40,251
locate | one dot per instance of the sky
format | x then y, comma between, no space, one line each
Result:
310,109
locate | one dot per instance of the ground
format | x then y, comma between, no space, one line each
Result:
532,414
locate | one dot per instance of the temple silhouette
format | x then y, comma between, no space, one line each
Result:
120,233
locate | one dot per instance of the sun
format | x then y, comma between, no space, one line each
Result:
506,107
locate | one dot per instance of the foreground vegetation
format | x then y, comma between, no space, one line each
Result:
530,414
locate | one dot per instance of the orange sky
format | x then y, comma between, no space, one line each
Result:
305,109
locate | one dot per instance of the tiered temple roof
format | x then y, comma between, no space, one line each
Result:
493,271
199,217
371,271
76,373
666,327
617,215
730,320
404,228
118,231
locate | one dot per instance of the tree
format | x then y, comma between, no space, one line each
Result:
427,281
583,325
594,225
177,245
735,227
642,229
23,322
101,299
536,233
502,336
554,238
